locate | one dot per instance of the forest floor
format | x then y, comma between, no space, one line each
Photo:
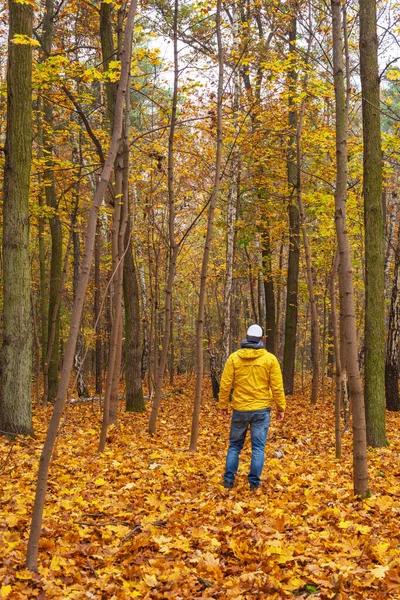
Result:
147,519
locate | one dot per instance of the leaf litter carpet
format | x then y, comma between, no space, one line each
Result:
147,519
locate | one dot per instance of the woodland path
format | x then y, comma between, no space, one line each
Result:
146,519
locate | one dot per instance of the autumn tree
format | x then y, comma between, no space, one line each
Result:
346,288
374,241
16,350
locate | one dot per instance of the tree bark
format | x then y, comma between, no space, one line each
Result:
173,246
16,351
289,354
270,322
133,375
79,352
56,262
207,245
346,289
392,370
374,230
96,308
37,516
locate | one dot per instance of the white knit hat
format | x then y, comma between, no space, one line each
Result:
254,331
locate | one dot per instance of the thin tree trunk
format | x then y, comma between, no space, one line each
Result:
338,366
289,353
37,515
392,370
42,246
315,335
207,245
133,375
232,204
98,351
79,352
346,289
374,230
173,246
270,323
121,212
56,262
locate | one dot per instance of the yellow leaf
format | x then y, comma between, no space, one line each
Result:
128,486
364,529
5,590
24,40
100,481
151,580
345,524
12,520
379,572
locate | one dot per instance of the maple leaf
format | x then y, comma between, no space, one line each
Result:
380,571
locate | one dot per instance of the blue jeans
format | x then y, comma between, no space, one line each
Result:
258,421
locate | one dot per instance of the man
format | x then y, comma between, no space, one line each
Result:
256,378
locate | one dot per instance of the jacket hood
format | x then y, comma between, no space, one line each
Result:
250,353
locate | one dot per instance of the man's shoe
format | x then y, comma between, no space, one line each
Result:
228,484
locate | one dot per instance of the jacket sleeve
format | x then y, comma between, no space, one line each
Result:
226,384
276,384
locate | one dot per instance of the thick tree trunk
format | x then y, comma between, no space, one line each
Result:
207,245
16,351
374,230
289,354
346,289
37,516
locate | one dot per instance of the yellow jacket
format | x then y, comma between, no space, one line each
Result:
256,379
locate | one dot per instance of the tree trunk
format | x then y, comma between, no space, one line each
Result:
79,352
37,516
56,262
392,370
315,335
289,353
173,246
96,307
16,351
346,289
121,215
338,366
207,245
374,230
270,323
133,375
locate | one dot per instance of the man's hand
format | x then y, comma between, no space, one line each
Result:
223,413
280,415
